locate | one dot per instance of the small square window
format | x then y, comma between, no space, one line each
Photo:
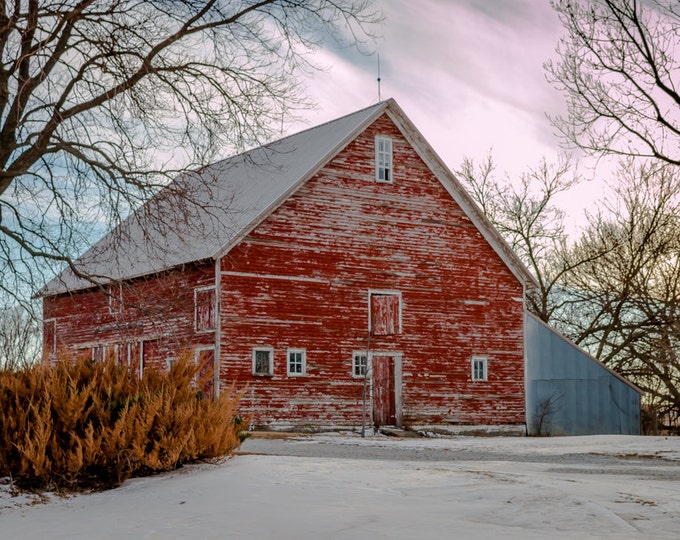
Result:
263,361
297,362
479,368
359,365
383,159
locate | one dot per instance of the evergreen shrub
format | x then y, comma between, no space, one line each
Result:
94,424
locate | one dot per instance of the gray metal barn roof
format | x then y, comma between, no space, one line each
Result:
227,197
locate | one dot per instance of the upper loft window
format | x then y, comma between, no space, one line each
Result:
383,159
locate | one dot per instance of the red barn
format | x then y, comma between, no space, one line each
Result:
343,258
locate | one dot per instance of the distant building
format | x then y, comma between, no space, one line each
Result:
344,258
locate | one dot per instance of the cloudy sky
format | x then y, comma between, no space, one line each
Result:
469,74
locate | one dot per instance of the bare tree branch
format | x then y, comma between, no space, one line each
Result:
616,70
102,102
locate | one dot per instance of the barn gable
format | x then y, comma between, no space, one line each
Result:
348,267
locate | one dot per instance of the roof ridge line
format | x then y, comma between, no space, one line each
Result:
282,139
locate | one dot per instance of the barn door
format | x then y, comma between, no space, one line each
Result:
384,400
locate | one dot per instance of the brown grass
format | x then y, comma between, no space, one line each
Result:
84,424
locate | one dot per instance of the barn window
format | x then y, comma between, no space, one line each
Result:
99,353
479,368
359,365
114,296
50,336
297,362
204,309
263,361
383,159
384,315
151,355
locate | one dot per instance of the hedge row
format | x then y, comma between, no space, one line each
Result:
84,424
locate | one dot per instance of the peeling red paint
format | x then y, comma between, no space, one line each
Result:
302,280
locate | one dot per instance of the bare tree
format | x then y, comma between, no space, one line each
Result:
618,70
102,101
528,217
20,338
624,295
615,290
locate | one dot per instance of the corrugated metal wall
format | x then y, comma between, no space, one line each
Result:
570,393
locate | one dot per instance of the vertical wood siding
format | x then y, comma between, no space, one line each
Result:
384,314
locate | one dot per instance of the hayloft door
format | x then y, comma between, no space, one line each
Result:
384,399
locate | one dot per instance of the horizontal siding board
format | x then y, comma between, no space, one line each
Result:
158,308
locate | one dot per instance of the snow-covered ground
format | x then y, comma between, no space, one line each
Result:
345,487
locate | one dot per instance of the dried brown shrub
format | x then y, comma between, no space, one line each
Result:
84,424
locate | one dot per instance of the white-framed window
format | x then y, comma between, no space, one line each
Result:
384,312
205,309
297,362
480,366
263,361
114,295
383,159
50,336
99,353
359,364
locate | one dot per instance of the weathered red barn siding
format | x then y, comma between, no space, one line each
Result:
301,280
157,311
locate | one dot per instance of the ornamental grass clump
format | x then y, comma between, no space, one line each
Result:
85,424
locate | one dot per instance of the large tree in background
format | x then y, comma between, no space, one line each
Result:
615,288
527,215
618,70
102,101
624,294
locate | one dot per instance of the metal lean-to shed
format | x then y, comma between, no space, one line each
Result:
570,393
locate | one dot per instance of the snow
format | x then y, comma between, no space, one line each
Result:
380,487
